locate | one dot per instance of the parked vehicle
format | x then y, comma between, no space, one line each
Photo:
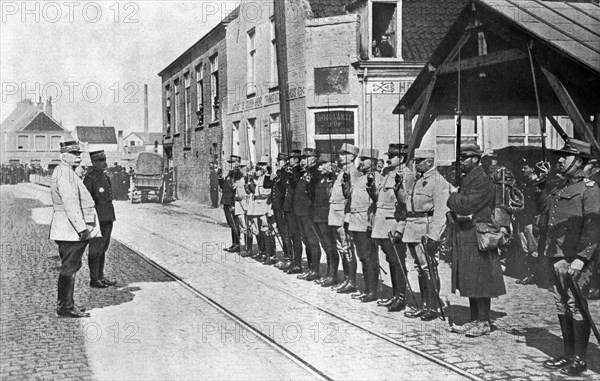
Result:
147,180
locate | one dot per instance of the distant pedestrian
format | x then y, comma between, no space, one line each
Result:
476,274
99,186
384,47
214,184
74,223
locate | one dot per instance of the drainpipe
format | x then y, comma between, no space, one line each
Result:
364,107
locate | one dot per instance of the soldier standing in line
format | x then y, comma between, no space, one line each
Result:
425,217
74,223
304,195
276,200
242,198
338,211
572,240
261,192
98,184
476,274
228,201
359,222
390,205
326,233
292,176
592,172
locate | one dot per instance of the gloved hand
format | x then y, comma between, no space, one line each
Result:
431,246
398,178
289,169
370,180
85,235
397,237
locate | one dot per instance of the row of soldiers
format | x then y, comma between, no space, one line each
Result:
15,173
350,211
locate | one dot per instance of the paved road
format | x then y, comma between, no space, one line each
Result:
185,239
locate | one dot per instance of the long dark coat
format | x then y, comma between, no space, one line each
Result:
476,274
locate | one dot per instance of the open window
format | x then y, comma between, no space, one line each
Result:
384,34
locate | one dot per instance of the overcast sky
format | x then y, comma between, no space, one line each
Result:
78,50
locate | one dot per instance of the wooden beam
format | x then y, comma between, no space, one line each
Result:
423,122
557,127
483,61
570,107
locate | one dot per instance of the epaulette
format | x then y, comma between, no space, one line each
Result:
589,183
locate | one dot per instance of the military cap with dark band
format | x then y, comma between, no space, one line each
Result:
308,152
576,147
281,156
98,155
295,153
395,149
470,149
349,148
71,146
234,159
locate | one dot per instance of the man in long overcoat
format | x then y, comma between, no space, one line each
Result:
476,274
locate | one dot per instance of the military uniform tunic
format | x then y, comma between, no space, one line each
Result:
384,220
337,201
99,186
361,204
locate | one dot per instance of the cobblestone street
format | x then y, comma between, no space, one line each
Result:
152,327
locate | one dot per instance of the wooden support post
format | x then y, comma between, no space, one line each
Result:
557,127
571,108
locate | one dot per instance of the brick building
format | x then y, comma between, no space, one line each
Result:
193,103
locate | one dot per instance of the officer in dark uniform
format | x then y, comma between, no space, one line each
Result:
572,237
99,186
214,184
304,195
228,200
276,201
293,172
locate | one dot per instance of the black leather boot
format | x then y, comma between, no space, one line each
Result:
341,285
423,289
399,302
567,328
388,302
348,288
66,306
581,333
373,279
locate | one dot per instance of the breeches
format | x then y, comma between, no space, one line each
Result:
70,256
564,298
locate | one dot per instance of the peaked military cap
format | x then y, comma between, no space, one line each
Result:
308,152
325,157
70,146
264,159
425,153
349,148
396,149
295,153
470,149
370,153
234,159
576,147
98,155
282,156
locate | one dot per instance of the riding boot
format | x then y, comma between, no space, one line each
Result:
270,250
399,302
387,302
296,267
94,266
373,280
567,329
350,285
316,264
64,289
581,333
423,289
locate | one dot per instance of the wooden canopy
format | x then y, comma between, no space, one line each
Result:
493,49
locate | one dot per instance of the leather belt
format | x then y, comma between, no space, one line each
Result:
419,214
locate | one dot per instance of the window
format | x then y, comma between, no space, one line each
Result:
22,142
214,86
200,95
168,108
235,146
384,33
176,108
251,65
333,128
274,78
40,142
251,137
132,143
524,131
55,142
187,102
446,135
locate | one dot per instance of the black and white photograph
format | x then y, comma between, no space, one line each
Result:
300,190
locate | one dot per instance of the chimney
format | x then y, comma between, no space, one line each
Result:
146,108
40,105
49,106
103,123
120,134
